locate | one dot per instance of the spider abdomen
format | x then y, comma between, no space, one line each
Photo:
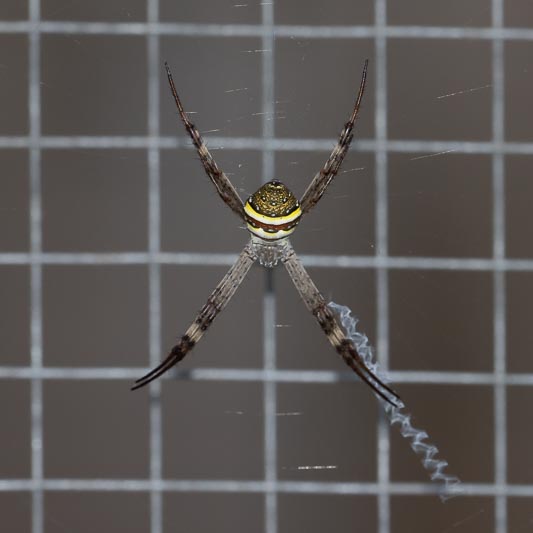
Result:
272,212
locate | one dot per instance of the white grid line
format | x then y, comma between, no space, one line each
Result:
499,333
220,259
279,31
269,298
270,405
274,144
435,377
229,485
382,285
34,114
154,213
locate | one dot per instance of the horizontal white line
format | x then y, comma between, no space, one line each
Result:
117,258
280,31
310,260
293,487
278,144
280,376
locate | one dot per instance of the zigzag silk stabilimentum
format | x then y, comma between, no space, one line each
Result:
450,485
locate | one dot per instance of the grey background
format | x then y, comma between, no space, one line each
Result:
111,238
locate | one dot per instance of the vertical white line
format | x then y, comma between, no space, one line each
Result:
34,103
382,284
498,192
270,404
268,126
154,209
269,301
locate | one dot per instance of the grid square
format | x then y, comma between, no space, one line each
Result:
459,421
94,200
326,432
441,320
519,218
93,85
519,436
518,80
316,513
113,511
15,510
301,343
14,201
317,106
447,94
15,315
185,290
518,13
334,12
13,84
212,430
226,513
347,209
224,95
15,431
13,10
89,430
95,315
519,332
94,11
452,13
193,216
420,514
519,514
440,206
211,11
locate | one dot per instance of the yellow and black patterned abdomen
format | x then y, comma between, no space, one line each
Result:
272,212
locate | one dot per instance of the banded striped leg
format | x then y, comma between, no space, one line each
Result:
321,181
222,183
214,305
314,301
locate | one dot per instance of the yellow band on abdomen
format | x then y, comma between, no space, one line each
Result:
273,221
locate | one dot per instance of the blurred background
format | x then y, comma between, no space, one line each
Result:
112,237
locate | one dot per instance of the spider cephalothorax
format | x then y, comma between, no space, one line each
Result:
272,212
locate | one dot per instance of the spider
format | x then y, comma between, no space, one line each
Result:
271,214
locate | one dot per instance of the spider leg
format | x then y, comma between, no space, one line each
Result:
320,182
214,305
222,183
315,302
